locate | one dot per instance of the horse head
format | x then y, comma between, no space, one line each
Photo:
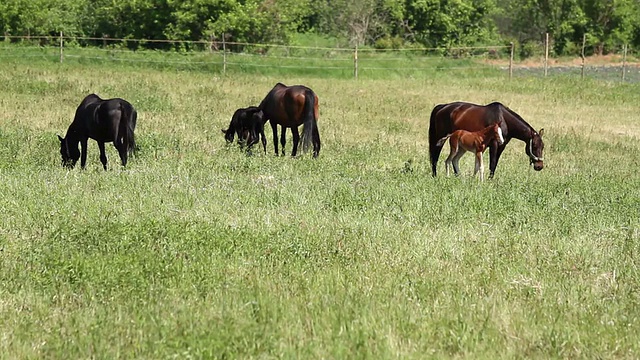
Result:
534,149
247,123
69,154
229,134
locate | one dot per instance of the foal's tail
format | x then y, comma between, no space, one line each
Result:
127,127
310,133
443,140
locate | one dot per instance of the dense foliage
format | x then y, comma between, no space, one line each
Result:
607,24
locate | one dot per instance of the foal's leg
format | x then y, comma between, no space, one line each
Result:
479,165
274,127
283,138
264,140
103,155
447,163
296,140
456,159
83,152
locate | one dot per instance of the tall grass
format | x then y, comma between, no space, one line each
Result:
198,250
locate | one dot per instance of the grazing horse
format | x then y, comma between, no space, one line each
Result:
446,118
112,120
290,107
462,141
248,124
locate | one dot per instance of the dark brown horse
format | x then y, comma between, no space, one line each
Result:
290,107
248,124
462,141
112,120
446,118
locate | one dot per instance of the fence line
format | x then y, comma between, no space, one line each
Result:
69,49
72,47
205,42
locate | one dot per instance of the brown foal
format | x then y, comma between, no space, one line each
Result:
462,141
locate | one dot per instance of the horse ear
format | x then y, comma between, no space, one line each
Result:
541,132
60,138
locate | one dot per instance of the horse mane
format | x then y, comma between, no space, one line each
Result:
494,111
270,94
90,99
502,107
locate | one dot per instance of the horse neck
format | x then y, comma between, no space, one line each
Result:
73,133
519,129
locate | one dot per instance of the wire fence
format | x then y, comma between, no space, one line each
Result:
222,56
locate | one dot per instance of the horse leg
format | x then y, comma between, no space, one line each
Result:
296,140
274,127
495,151
103,155
83,152
283,138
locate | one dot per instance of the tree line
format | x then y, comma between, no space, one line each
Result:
606,24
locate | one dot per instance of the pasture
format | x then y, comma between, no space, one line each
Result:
197,250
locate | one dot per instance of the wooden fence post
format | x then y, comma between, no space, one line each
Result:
355,62
224,55
584,42
511,62
546,53
624,60
61,47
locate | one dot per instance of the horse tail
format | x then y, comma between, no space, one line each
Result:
434,144
443,140
127,127
310,133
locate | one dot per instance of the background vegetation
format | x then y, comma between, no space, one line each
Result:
608,24
198,250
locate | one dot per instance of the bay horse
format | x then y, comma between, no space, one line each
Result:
111,120
446,118
290,107
248,125
462,141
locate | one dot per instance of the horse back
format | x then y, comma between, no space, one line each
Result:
284,105
100,119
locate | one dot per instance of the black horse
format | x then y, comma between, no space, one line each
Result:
248,124
290,107
112,120
447,118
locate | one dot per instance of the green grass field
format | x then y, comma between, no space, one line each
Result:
197,250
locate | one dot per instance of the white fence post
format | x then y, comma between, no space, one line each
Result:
584,42
624,60
355,62
224,55
511,61
546,53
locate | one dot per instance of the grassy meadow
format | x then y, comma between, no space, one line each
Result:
197,250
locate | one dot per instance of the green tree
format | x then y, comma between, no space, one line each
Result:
611,23
438,23
360,21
